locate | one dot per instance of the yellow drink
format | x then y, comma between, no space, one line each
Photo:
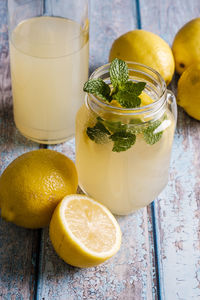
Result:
123,181
49,65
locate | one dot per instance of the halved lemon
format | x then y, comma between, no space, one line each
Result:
83,232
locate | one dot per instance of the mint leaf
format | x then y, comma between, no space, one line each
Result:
113,126
118,73
99,134
135,121
122,141
124,91
127,99
134,87
149,135
99,88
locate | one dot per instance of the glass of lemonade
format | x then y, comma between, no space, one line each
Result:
49,65
127,180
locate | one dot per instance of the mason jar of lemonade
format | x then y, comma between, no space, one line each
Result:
122,153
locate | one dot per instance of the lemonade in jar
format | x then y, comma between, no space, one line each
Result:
124,135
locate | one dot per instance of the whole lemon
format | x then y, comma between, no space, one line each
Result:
147,48
188,95
186,45
33,184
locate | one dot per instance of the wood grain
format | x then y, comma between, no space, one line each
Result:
18,247
125,276
177,209
108,20
131,273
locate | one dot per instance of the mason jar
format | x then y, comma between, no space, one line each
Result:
126,173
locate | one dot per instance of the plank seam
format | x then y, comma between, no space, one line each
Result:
139,25
138,13
38,250
37,265
155,241
44,7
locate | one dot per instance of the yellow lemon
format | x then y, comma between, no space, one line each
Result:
186,45
115,103
188,91
147,48
33,184
145,99
83,232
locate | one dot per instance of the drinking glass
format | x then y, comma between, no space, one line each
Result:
49,65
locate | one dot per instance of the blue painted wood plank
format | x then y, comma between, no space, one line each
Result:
108,20
166,17
125,276
131,273
18,247
177,208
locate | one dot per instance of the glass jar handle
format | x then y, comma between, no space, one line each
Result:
171,101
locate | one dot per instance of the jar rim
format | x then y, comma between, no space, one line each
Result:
152,107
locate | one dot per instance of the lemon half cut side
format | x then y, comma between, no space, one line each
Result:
84,233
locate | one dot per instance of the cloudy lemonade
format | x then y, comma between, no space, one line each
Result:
123,154
49,65
127,180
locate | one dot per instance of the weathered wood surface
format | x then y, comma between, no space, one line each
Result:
171,225
18,247
177,210
131,273
108,20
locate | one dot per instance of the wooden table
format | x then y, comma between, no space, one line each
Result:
160,254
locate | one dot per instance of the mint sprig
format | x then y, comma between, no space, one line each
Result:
123,141
127,99
118,73
134,87
123,135
99,88
127,93
113,126
99,134
150,136
123,90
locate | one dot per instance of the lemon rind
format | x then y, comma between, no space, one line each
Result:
77,242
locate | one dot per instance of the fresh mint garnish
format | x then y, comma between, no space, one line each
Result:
113,126
124,91
127,93
135,121
127,99
99,88
118,73
134,87
122,141
123,135
99,134
149,136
